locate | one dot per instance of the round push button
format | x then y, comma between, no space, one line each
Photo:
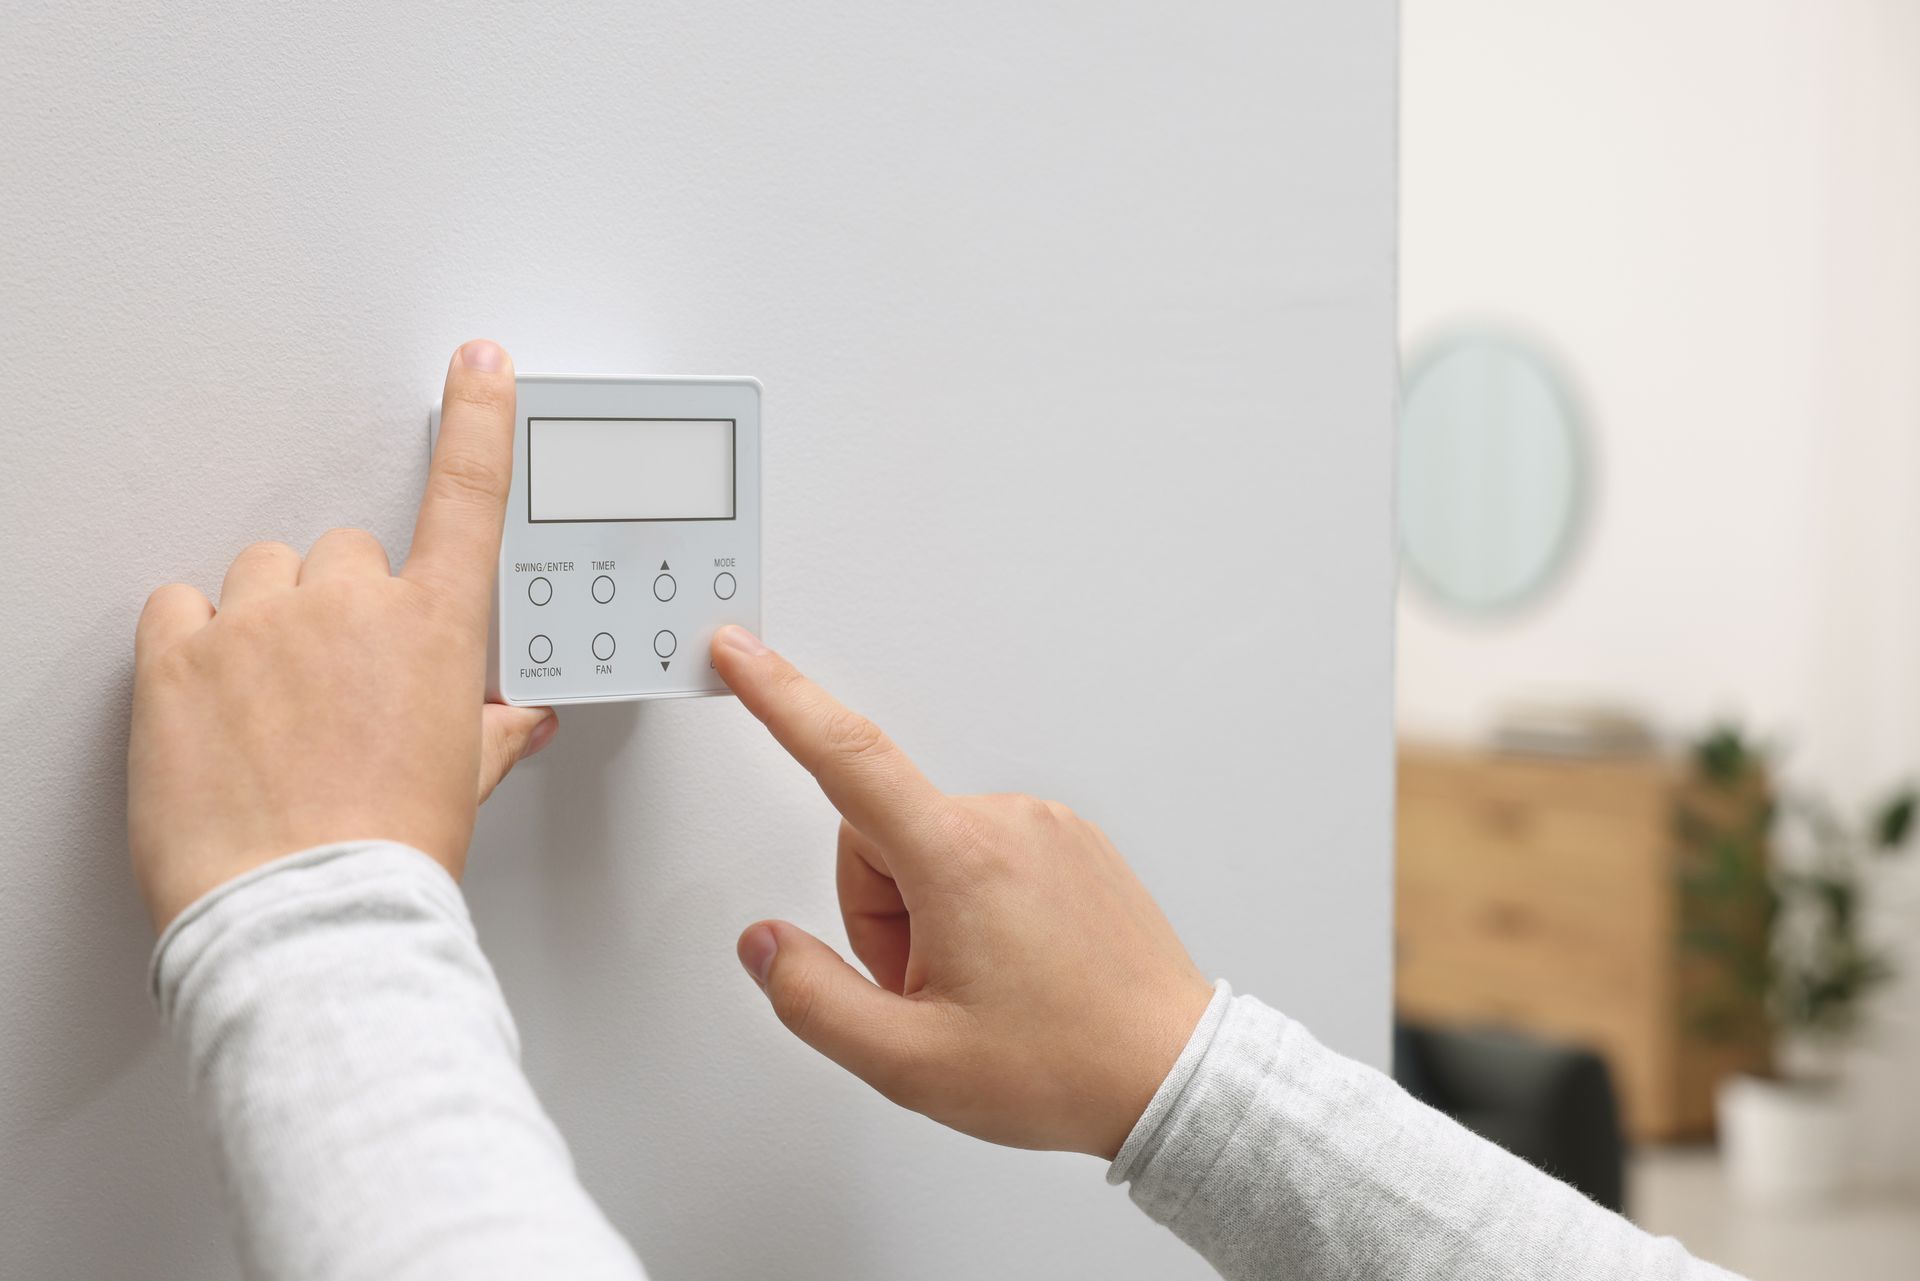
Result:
663,587
603,589
603,646
724,586
540,591
540,649
664,644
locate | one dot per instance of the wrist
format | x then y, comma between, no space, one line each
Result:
1162,1035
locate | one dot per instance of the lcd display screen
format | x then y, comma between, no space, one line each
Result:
612,469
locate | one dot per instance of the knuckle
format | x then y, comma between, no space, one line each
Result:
1034,809
795,1001
463,476
496,749
907,1076
787,679
166,594
962,831
853,736
985,851
349,534
1014,810
265,549
1012,806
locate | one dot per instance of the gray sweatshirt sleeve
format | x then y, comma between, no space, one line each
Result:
354,1062
1278,1159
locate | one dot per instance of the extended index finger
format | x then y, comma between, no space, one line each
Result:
870,781
456,540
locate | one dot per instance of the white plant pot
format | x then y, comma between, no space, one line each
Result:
1783,1144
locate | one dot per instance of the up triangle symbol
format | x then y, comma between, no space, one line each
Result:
663,564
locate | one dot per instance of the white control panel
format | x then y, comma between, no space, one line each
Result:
632,535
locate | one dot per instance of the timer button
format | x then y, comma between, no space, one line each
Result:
664,644
724,586
540,591
603,646
663,587
603,589
540,649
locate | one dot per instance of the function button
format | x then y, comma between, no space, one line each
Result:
603,589
664,644
540,649
540,591
724,586
603,646
663,587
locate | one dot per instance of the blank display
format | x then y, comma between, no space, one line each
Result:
593,469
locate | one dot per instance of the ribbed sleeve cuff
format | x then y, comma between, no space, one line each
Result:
353,872
1144,1139
1229,1062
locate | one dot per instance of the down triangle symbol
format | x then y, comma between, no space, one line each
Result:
663,667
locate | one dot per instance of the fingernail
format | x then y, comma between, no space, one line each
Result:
542,735
484,355
735,637
757,947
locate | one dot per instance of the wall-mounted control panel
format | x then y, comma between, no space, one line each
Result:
632,535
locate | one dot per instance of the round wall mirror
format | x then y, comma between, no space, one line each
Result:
1492,473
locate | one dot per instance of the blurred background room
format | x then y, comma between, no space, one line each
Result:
1659,627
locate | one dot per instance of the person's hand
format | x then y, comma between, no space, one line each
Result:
329,699
1026,988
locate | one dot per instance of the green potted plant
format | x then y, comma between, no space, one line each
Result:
1781,940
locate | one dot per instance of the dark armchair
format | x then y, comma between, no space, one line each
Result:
1550,1105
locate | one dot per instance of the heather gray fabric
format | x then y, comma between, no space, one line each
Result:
358,1072
1276,1158
355,1064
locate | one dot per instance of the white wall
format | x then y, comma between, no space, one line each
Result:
1708,212
1076,328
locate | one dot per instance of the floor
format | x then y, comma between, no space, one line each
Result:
1680,1192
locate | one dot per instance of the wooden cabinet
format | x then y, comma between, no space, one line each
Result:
1544,895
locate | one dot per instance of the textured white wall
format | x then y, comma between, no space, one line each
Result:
1076,327
1708,211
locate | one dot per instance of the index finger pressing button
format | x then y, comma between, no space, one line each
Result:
873,784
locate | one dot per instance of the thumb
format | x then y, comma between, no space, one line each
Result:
878,1036
509,735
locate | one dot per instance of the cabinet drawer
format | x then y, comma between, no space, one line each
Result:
1506,834
1525,958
